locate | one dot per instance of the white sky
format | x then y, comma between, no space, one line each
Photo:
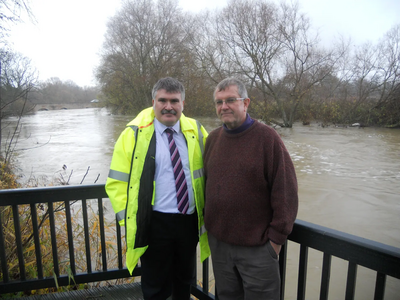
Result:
68,36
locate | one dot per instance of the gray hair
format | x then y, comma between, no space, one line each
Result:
170,85
227,82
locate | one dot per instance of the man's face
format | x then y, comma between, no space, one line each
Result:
168,107
232,115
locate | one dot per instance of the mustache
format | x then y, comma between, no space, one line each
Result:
171,111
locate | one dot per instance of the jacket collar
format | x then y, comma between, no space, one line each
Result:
146,117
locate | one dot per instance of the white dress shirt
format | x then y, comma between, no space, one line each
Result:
165,192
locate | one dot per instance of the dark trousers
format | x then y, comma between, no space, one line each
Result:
245,273
169,263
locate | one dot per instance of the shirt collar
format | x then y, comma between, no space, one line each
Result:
160,127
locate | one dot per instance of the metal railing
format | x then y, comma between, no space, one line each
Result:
63,209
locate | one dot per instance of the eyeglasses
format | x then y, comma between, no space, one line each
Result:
228,101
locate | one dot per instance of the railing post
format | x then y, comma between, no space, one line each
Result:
205,275
102,233
380,286
70,237
38,251
326,274
87,236
53,239
119,244
18,240
3,257
301,288
351,281
282,268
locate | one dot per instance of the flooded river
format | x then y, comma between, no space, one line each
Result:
349,178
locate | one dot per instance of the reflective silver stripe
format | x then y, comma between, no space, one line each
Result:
203,230
134,128
117,175
198,173
120,215
201,136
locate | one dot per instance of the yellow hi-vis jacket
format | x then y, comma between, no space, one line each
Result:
130,182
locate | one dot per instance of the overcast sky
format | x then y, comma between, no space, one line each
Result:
68,35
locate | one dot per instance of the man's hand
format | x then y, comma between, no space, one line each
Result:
276,247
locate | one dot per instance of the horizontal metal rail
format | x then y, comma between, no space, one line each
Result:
63,197
383,259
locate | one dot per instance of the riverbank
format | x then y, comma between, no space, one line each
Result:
8,180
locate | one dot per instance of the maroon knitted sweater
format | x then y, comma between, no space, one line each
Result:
251,186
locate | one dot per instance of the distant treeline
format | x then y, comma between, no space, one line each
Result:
272,47
22,99
56,91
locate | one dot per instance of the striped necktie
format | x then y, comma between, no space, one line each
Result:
180,180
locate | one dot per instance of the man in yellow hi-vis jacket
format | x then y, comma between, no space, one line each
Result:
156,187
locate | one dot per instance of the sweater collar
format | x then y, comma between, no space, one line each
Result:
246,124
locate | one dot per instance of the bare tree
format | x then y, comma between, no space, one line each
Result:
306,64
249,32
209,50
375,75
364,85
274,49
143,42
18,79
389,65
365,78
10,13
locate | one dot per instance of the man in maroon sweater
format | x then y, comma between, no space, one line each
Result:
251,198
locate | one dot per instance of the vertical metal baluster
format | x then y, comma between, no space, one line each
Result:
70,237
301,288
351,281
282,268
18,240
206,270
53,239
119,244
38,252
87,237
326,274
102,234
3,256
380,286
